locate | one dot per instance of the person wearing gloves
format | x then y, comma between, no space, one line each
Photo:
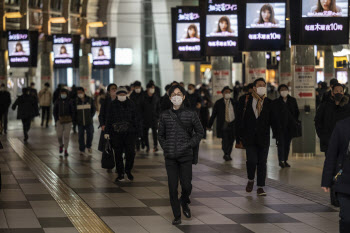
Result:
180,131
84,112
254,122
63,112
122,128
225,110
287,114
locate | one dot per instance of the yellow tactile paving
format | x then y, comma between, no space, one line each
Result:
79,213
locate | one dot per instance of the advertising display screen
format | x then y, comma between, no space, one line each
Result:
186,33
19,48
101,53
265,25
220,27
320,22
63,50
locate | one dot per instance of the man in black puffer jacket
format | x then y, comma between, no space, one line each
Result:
177,144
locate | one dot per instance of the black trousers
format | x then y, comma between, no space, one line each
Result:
45,112
4,120
283,147
26,126
344,214
124,143
154,134
256,161
179,170
228,139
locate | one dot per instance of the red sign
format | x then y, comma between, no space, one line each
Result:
305,69
301,94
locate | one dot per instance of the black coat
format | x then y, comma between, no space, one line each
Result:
174,140
219,113
84,110
105,105
337,151
5,101
193,100
252,130
286,115
27,106
327,115
138,99
150,110
123,111
63,107
165,103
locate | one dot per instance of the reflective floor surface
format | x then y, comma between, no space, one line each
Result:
44,192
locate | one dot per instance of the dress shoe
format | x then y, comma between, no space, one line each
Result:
177,221
130,176
185,209
286,164
250,186
226,158
261,192
282,164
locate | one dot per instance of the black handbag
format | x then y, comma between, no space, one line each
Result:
121,127
108,157
195,149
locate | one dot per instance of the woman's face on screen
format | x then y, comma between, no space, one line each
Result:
191,32
223,26
266,15
325,4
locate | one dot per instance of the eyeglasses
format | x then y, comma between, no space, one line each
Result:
178,94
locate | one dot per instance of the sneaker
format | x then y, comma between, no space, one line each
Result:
226,158
61,149
120,178
286,164
261,192
89,150
250,186
130,176
65,153
282,164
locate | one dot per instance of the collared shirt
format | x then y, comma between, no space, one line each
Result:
231,113
255,102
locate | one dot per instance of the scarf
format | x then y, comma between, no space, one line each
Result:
260,100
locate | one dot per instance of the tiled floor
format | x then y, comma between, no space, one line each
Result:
219,203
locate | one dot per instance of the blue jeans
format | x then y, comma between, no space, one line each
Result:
89,135
344,202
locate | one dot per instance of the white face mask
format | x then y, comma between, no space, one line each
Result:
261,91
81,96
227,96
191,91
138,90
176,100
152,90
284,94
121,98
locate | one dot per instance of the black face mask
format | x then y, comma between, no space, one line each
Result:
338,97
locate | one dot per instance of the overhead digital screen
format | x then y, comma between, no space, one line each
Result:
186,33
220,27
63,50
101,53
320,22
265,25
19,48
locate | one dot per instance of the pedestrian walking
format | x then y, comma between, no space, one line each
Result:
5,102
45,98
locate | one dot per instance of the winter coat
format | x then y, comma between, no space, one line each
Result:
150,110
177,143
194,99
45,97
105,105
219,113
337,157
63,107
165,103
286,115
137,98
327,115
255,131
5,101
123,112
84,111
27,106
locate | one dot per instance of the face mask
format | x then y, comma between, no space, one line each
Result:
284,94
176,100
227,96
138,90
121,98
81,96
338,97
152,90
261,91
63,96
191,91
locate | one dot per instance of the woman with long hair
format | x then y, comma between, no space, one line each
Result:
192,32
63,50
326,5
224,25
267,15
19,47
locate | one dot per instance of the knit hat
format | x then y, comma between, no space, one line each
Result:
122,90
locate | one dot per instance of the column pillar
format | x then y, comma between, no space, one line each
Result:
255,66
285,67
304,80
328,64
3,45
